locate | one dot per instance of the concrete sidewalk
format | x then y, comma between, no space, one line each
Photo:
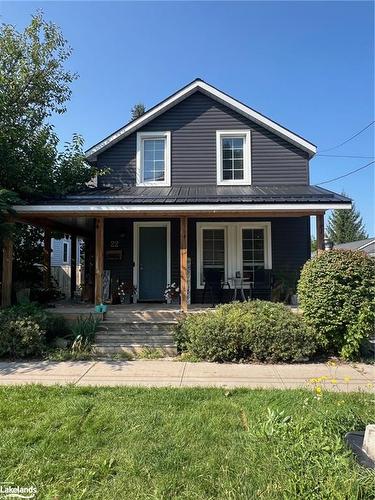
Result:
164,373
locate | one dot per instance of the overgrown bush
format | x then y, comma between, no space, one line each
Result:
256,330
336,293
21,338
25,330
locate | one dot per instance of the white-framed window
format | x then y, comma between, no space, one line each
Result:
65,252
233,157
253,248
236,249
153,159
212,249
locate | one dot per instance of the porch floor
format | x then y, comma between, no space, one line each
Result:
71,308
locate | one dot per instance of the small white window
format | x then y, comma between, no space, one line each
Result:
233,157
65,252
153,158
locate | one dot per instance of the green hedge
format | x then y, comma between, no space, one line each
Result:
336,294
256,330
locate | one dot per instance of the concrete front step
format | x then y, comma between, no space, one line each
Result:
133,348
142,316
134,330
137,325
139,339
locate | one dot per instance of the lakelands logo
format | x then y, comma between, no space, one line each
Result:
9,490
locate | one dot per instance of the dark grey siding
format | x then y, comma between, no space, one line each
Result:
290,248
121,230
193,124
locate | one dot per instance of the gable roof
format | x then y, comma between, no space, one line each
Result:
366,245
199,85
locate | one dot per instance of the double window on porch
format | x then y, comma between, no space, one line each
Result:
236,250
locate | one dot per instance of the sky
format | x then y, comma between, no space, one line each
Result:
307,65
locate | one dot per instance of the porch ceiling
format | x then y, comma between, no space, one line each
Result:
80,226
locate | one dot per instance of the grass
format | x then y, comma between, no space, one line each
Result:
106,443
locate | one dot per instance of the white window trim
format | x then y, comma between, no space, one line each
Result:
167,158
233,245
244,134
210,225
65,242
136,248
266,226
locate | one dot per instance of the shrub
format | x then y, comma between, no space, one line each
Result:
57,326
333,289
21,338
84,330
36,326
256,330
361,328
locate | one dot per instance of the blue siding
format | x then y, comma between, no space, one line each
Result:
57,253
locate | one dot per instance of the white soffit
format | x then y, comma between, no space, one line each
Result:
222,207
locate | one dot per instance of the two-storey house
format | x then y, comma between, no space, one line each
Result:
199,182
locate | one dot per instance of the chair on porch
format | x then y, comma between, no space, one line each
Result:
262,283
214,285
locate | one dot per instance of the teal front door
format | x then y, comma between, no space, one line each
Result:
152,270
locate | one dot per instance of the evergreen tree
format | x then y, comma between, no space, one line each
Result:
314,244
138,110
345,226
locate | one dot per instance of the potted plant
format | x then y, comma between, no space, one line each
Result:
126,290
172,293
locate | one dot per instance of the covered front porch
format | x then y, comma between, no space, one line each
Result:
145,252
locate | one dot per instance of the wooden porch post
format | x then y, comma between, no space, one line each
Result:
6,291
99,257
73,265
47,258
320,233
183,263
89,270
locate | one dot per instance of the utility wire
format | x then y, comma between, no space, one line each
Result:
346,175
350,138
346,156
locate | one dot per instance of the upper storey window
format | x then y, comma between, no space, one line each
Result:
153,159
233,157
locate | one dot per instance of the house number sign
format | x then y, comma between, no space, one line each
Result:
114,244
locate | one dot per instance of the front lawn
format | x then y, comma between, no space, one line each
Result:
130,443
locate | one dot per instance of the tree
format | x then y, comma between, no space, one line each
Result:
137,110
345,226
34,85
314,244
7,199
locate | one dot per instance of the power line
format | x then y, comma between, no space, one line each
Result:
346,175
350,138
346,156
